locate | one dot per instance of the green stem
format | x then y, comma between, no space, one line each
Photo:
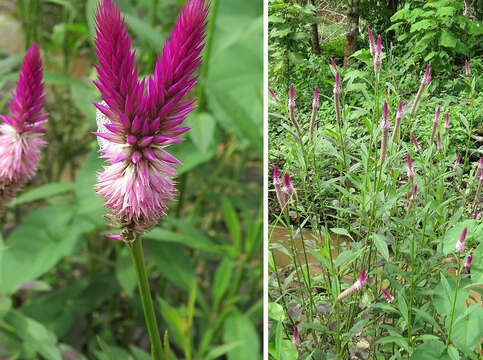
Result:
458,278
136,248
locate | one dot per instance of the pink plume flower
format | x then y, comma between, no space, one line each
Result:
468,262
291,97
446,123
334,65
372,44
427,77
274,96
21,133
378,55
467,68
277,184
295,337
315,102
287,186
439,143
315,107
456,165
435,124
337,84
385,126
410,167
460,244
139,119
357,286
424,82
338,113
388,296
415,143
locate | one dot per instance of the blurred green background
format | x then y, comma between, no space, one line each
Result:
66,291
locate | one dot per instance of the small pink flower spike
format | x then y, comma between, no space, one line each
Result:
334,65
315,102
388,296
372,44
274,96
357,286
287,186
415,143
277,184
385,112
468,262
295,337
427,77
460,244
410,167
315,107
439,143
446,123
337,84
467,68
456,165
291,97
435,124
378,55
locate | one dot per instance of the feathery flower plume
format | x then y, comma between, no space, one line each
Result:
372,44
399,115
439,143
385,126
288,189
291,111
410,167
424,82
277,184
378,55
388,296
338,115
295,337
467,68
137,120
334,65
415,143
468,262
20,133
358,285
456,165
274,96
446,123
315,107
435,124
460,244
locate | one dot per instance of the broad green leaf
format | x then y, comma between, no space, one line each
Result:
276,312
444,295
190,156
430,350
238,327
83,95
447,39
381,245
111,352
477,264
232,222
288,350
42,192
468,329
186,238
221,350
341,231
475,231
222,279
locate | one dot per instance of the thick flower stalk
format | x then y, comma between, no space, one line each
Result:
435,125
378,56
467,68
338,114
446,123
424,82
357,286
388,296
385,126
417,147
21,133
277,184
460,244
291,112
439,143
456,165
315,107
397,125
139,119
409,166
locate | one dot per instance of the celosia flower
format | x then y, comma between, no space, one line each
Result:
372,44
274,96
140,119
460,244
410,167
334,65
20,133
446,123
467,68
415,143
399,115
338,115
388,296
385,126
424,82
295,337
439,143
315,107
288,189
277,184
468,262
291,111
456,165
435,124
378,55
357,286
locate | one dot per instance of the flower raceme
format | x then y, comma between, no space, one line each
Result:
277,184
388,296
357,286
338,114
315,107
295,337
424,82
139,119
435,124
417,147
460,244
21,133
385,126
410,167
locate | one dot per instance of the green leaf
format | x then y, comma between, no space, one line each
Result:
276,312
125,273
423,25
477,265
341,231
194,241
444,295
381,246
468,329
42,192
202,132
430,350
222,280
232,222
110,352
402,305
288,350
221,350
34,335
83,96
238,327
190,156
447,39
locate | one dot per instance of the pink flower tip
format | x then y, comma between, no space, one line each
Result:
276,176
436,117
274,96
460,244
337,83
388,296
315,102
115,237
467,67
296,338
468,262
334,65
379,44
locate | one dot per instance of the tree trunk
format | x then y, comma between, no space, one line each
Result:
352,29
315,34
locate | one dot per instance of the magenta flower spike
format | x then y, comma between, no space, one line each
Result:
337,84
315,107
277,184
338,114
415,143
435,124
274,96
291,97
385,126
439,143
456,165
468,262
427,77
334,65
460,244
139,119
287,186
291,111
424,82
295,337
372,44
357,286
388,296
467,68
378,55
446,123
21,133
410,167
